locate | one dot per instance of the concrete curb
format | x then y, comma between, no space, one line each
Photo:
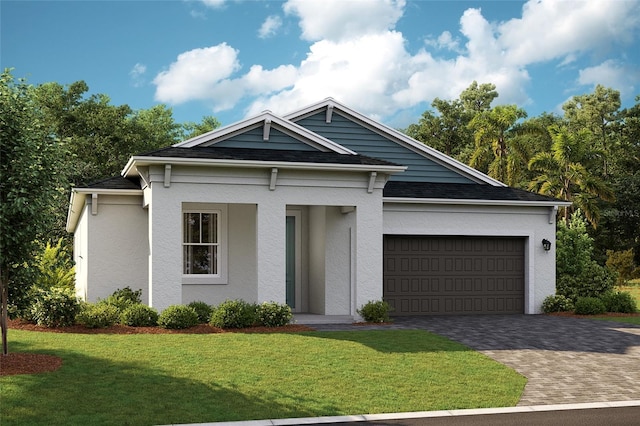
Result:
422,414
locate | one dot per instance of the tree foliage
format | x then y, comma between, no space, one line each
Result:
29,180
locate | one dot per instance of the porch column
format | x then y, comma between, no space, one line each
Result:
368,255
270,247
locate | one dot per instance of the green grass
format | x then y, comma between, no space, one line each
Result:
182,378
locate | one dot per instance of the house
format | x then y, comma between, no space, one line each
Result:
324,209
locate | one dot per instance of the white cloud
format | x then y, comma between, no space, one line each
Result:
214,4
338,19
270,26
357,55
556,29
612,74
196,73
137,74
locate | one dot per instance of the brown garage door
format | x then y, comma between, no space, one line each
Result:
453,275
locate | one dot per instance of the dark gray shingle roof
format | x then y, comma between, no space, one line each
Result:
250,154
116,182
460,191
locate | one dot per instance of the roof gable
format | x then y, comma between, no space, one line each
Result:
368,137
253,131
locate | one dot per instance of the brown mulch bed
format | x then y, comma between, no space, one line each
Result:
26,363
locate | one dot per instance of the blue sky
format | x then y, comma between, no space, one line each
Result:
388,59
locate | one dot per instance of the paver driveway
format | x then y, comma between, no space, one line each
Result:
566,360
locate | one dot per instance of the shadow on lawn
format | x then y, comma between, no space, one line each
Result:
395,341
96,391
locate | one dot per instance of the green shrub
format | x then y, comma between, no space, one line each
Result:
578,275
273,314
234,314
123,298
375,311
55,307
178,317
55,267
590,306
203,310
139,315
621,262
98,315
619,301
557,303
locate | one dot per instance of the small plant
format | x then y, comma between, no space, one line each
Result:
590,306
375,311
178,317
123,298
139,315
557,303
55,267
56,307
203,310
234,314
98,315
619,301
273,314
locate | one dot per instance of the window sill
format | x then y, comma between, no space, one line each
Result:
203,279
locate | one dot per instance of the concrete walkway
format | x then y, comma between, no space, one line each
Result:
566,360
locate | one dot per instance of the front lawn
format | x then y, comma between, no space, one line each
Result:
146,379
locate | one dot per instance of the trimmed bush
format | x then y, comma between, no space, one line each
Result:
272,314
139,315
375,311
234,314
203,310
557,303
619,301
590,306
178,317
98,315
123,298
56,307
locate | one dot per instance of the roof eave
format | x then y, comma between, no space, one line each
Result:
77,201
475,202
136,161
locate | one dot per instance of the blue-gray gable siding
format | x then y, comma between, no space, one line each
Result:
253,139
367,142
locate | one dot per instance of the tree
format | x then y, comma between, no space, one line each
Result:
207,124
446,129
597,112
29,179
493,153
478,98
565,172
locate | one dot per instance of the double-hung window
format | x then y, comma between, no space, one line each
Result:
201,243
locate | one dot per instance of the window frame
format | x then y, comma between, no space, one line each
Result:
222,246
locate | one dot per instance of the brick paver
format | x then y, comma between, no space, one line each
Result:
566,360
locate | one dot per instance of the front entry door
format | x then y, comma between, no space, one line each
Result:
291,262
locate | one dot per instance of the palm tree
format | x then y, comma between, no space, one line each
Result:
565,173
493,152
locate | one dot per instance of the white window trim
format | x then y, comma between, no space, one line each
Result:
223,244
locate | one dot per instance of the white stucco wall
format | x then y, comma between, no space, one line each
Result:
80,252
531,223
115,255
244,186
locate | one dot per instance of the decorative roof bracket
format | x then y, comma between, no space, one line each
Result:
329,113
274,178
372,181
167,175
266,129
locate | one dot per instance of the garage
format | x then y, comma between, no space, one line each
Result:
426,275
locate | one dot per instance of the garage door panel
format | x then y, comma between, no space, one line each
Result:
454,275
